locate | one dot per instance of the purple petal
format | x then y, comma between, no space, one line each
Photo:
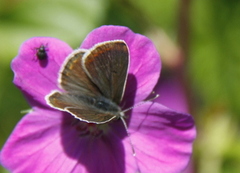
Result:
171,94
46,141
94,154
43,142
161,137
144,59
36,77
33,144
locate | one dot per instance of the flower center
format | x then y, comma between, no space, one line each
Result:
89,129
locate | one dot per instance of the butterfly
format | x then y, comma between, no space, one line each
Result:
94,81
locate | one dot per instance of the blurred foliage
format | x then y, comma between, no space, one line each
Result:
212,69
215,56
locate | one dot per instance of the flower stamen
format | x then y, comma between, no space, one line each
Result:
89,129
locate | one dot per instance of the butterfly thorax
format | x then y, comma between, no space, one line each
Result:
106,104
98,105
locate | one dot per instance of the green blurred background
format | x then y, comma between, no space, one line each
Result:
198,41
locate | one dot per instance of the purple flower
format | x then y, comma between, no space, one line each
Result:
172,95
49,140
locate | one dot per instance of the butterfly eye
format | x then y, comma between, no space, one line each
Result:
101,105
105,105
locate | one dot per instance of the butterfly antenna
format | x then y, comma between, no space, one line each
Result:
126,128
140,103
133,150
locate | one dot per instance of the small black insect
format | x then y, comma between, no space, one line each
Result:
42,52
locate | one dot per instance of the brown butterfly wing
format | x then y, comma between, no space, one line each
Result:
80,107
91,116
73,78
107,64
